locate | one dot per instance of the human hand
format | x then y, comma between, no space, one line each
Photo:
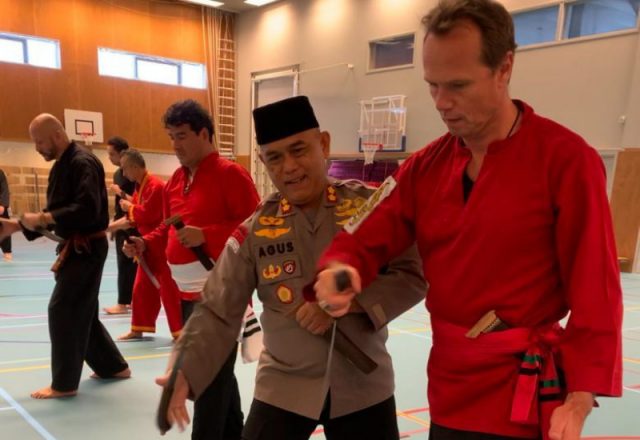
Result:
133,247
568,419
336,303
8,227
32,220
121,223
125,204
116,189
190,236
177,411
313,319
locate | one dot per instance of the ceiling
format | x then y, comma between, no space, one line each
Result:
238,6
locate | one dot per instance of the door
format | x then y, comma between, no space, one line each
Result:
268,88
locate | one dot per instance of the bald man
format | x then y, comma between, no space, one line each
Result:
77,213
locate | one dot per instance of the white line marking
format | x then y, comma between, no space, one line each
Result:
631,389
102,318
7,408
22,317
23,412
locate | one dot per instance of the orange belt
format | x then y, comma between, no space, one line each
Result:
80,243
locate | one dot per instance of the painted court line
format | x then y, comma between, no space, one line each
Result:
103,318
632,390
412,332
42,367
23,412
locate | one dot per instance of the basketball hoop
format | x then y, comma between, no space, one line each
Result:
369,149
87,138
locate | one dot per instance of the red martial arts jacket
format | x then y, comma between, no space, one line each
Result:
533,242
146,211
220,196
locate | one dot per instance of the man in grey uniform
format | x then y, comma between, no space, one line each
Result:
300,381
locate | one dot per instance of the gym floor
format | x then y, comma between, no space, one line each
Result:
126,409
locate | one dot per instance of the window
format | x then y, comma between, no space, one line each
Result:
536,26
24,49
589,17
581,18
152,69
391,52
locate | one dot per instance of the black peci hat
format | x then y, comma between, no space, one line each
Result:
283,118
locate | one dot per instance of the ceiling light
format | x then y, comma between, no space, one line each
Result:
210,3
258,2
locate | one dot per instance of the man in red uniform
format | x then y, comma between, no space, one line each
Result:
145,214
510,214
212,196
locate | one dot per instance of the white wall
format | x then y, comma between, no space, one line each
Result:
585,85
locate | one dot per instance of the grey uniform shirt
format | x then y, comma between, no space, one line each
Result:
275,251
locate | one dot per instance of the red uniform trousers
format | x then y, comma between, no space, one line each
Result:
146,298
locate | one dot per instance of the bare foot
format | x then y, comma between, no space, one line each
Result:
50,393
118,309
124,374
131,336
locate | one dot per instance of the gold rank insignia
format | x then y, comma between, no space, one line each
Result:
272,233
285,206
331,194
270,221
270,272
285,294
348,208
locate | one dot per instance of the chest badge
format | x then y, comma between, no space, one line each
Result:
289,267
270,272
272,233
270,221
284,294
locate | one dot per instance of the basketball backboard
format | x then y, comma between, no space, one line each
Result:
84,126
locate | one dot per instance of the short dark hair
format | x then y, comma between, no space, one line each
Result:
119,144
493,21
135,157
189,112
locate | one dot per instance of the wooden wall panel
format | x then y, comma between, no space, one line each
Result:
625,206
131,109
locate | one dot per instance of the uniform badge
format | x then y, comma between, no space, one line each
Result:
331,194
285,294
285,206
348,208
270,221
237,237
289,267
270,272
370,205
272,233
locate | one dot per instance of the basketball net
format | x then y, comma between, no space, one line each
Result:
369,149
87,138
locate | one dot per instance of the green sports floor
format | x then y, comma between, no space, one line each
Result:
126,409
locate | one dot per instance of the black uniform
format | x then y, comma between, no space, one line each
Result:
5,244
126,266
77,200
